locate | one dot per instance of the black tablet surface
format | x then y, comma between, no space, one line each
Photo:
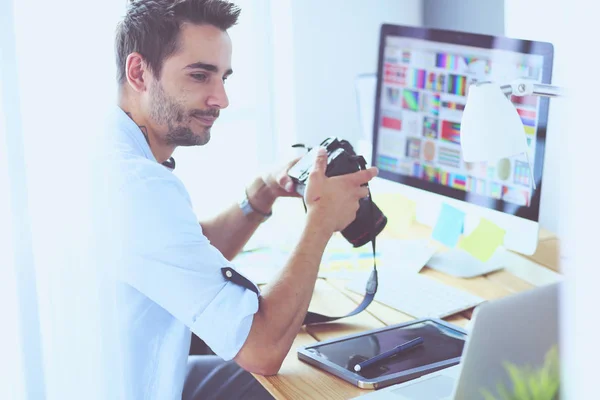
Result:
442,346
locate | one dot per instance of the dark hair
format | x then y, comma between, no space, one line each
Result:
151,28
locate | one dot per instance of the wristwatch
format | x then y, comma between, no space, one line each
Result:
247,209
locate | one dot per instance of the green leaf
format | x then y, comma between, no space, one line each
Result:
530,383
487,395
519,378
503,392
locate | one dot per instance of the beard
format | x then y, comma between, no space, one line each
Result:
167,111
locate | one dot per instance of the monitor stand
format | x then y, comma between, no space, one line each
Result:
457,262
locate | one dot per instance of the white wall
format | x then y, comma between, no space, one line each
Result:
476,16
333,42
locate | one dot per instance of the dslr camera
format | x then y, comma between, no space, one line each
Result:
342,160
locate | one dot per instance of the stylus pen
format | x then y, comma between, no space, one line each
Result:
396,350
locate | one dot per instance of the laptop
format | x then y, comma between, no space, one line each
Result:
520,329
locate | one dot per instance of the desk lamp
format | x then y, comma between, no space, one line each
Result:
491,128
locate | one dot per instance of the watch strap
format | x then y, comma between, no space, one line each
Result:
247,208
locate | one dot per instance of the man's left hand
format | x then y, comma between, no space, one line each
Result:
279,182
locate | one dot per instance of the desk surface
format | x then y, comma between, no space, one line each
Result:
298,380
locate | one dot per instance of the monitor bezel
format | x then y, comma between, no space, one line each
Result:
544,49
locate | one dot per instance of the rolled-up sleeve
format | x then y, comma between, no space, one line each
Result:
169,260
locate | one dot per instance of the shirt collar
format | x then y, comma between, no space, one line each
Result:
134,134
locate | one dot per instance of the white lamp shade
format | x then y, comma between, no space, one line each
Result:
491,128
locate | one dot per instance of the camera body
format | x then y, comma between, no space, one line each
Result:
342,160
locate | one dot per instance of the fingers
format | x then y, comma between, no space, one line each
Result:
362,192
320,165
364,176
293,162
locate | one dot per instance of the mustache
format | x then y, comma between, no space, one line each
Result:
214,113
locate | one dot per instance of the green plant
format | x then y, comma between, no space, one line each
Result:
529,383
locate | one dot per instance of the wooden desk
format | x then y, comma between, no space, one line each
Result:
298,380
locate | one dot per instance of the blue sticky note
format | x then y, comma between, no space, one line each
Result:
449,225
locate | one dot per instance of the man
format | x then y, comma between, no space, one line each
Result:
173,59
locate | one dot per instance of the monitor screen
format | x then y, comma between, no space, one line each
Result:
423,81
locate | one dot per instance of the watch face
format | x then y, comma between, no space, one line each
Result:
245,206
247,209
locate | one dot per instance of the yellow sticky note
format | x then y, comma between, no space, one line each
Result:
399,210
484,240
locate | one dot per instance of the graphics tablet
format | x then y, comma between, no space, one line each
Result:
441,347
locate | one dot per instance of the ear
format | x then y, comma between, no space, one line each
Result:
135,72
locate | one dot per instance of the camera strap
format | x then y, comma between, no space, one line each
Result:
232,275
371,287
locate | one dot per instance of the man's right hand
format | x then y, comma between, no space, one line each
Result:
334,201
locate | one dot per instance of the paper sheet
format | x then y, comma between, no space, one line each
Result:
449,226
399,210
341,260
484,240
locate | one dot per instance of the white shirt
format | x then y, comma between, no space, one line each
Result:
171,274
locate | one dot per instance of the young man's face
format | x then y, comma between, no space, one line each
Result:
185,101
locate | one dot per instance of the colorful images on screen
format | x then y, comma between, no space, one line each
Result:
524,100
410,100
449,157
451,132
529,71
418,78
386,162
453,105
431,81
455,62
404,167
476,185
392,95
458,181
529,118
503,168
515,196
395,74
431,104
495,190
391,120
417,170
430,127
445,178
441,83
413,148
457,85
521,173
423,96
431,174
429,151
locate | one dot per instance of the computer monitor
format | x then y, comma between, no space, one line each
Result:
423,78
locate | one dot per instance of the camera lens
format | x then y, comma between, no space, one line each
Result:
368,224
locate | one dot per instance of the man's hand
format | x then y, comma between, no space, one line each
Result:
263,192
335,200
279,182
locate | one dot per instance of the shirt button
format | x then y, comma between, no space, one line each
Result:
228,273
